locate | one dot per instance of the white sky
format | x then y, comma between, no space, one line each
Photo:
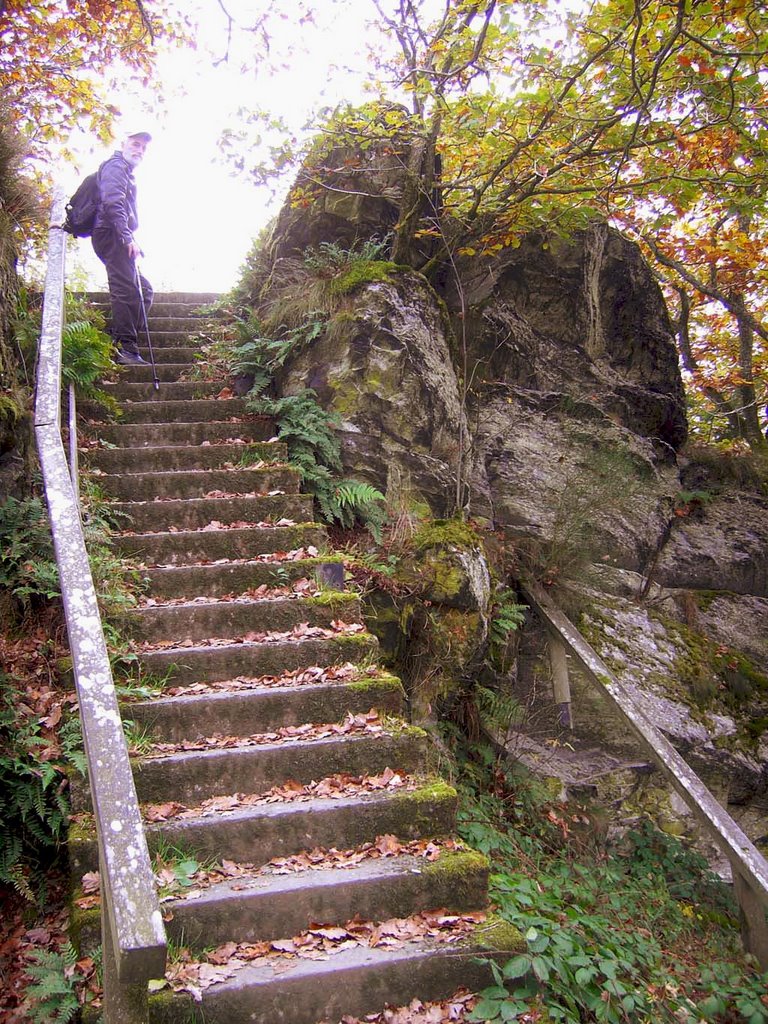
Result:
197,220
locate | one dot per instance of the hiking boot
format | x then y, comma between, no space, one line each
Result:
127,358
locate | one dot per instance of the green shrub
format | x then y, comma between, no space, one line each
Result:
614,934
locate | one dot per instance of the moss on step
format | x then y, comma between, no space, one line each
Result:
459,868
420,803
84,929
375,683
82,829
446,532
333,598
497,935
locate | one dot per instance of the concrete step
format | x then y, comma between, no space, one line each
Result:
179,337
222,579
256,833
183,353
182,666
188,546
264,905
192,777
125,391
269,906
191,301
161,320
166,373
196,513
198,620
161,410
351,983
183,457
182,484
186,716
158,435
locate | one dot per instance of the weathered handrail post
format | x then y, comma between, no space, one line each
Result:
132,926
749,867
558,663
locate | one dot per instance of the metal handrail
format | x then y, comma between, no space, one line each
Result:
133,933
749,867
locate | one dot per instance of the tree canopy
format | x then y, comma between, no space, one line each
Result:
649,113
59,60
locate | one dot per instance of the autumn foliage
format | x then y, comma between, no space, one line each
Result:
59,61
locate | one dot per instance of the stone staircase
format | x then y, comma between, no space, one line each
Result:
274,755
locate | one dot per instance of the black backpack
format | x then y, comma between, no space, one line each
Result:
82,207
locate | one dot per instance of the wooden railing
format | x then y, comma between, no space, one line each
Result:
133,934
749,867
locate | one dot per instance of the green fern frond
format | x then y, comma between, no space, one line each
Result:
349,502
52,996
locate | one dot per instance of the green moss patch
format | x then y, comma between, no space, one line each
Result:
361,273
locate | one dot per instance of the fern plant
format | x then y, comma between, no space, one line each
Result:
313,447
507,615
329,258
33,804
27,565
307,429
86,349
86,356
52,995
350,502
261,357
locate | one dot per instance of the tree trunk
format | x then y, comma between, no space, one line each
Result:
417,199
748,415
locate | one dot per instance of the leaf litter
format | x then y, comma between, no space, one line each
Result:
454,1009
189,885
268,557
333,787
298,677
369,724
214,526
302,631
319,942
300,588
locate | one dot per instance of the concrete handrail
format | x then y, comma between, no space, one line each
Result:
131,920
749,867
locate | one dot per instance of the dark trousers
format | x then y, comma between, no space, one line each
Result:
124,294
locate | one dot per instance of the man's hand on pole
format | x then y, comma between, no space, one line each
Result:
134,251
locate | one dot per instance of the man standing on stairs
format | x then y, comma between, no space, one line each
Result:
113,243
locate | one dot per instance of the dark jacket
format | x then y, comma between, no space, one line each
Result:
117,209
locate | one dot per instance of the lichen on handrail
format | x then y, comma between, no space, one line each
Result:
132,905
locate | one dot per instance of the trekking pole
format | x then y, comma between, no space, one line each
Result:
155,380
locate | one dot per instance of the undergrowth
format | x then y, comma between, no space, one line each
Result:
52,994
40,737
615,932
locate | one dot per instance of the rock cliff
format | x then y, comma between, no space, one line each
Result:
537,392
